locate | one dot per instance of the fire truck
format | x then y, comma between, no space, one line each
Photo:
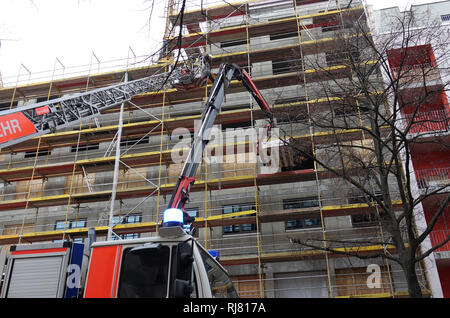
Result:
171,264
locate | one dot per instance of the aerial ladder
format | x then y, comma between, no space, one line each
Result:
163,266
22,123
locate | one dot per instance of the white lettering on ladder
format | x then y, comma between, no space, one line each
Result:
11,126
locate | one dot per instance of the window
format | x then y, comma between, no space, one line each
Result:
241,124
331,27
292,159
303,224
239,228
144,275
85,147
301,203
445,18
193,212
71,224
334,58
339,58
359,197
219,281
366,219
32,154
280,36
5,106
127,219
44,99
232,43
284,66
134,141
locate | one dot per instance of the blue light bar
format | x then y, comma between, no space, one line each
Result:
214,254
173,217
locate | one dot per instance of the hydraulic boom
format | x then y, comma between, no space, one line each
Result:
212,107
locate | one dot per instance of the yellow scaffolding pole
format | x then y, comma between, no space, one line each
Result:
255,171
206,203
311,129
160,159
71,188
30,182
75,159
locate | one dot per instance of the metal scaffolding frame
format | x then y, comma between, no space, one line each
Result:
258,248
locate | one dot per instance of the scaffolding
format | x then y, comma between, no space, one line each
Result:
61,185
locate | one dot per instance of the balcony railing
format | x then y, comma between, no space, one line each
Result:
430,178
439,236
417,74
432,121
406,68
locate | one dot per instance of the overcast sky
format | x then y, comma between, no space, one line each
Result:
36,32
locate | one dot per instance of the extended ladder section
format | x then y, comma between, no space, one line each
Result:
22,123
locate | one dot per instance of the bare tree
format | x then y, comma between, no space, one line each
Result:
374,93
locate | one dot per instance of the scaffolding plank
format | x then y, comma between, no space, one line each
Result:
75,84
153,158
130,130
98,196
299,255
243,217
282,25
210,13
264,82
276,53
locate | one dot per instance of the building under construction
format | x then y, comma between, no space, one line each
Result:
64,185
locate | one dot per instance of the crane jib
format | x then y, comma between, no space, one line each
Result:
14,126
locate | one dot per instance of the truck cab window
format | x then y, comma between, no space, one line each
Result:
219,281
144,275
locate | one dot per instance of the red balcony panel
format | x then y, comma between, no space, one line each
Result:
431,121
441,228
436,177
439,236
430,154
444,275
408,58
419,99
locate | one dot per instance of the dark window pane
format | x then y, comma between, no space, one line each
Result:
144,276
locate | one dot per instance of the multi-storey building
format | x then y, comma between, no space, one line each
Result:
428,112
59,186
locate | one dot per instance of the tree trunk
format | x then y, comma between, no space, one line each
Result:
412,280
